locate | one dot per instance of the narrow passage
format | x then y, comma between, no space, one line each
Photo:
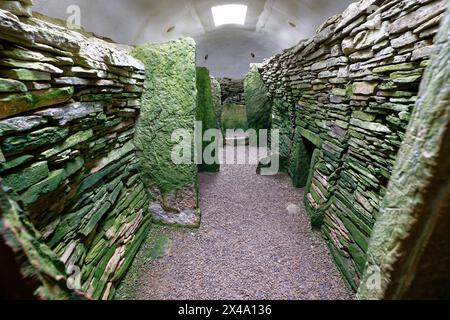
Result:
253,243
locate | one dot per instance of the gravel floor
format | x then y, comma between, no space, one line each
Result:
254,243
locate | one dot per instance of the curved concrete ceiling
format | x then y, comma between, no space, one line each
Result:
271,25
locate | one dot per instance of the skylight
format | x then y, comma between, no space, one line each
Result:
229,14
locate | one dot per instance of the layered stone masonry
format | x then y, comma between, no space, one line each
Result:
234,114
232,91
409,239
349,92
68,107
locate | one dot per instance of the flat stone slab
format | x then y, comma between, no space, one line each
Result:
187,218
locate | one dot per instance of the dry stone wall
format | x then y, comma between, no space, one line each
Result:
232,91
349,93
419,195
68,107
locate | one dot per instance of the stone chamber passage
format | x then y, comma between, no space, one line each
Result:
94,203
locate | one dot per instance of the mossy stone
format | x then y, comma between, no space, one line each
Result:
27,177
70,142
22,102
168,103
207,116
234,117
9,85
258,106
35,139
161,247
50,184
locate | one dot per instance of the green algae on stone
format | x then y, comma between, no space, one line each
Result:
38,66
358,256
257,103
26,75
207,116
69,223
127,289
54,180
168,104
161,247
22,102
132,250
299,163
73,167
349,274
311,136
27,177
9,85
41,263
394,67
13,163
234,117
71,141
35,139
217,100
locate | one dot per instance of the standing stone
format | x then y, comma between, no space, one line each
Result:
217,100
257,102
234,116
207,116
168,104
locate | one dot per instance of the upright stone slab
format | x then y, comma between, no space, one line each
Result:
282,121
257,101
207,116
234,116
217,100
168,104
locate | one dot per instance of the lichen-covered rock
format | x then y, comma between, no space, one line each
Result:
413,223
69,103
217,100
168,104
24,102
206,114
351,95
187,218
9,85
20,124
234,117
257,102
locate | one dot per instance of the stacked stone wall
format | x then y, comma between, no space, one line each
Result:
349,91
232,91
68,107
